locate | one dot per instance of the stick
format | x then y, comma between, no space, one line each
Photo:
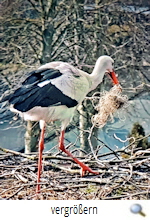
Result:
125,196
17,153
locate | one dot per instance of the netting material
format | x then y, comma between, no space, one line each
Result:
108,103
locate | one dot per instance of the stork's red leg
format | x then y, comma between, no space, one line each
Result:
41,148
82,165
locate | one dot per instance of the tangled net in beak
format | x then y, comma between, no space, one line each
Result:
108,103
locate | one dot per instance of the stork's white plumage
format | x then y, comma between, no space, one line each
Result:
53,92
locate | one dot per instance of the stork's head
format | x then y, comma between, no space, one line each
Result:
107,65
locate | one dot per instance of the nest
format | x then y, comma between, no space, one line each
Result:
127,178
108,103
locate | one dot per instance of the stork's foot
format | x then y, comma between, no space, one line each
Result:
85,169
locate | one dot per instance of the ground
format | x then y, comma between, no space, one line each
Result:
124,178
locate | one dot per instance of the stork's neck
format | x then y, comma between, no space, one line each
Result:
97,74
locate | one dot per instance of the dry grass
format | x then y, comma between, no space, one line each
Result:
108,103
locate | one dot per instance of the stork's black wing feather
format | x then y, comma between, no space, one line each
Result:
41,75
22,93
30,94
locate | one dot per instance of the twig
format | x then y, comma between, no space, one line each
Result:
17,153
57,158
125,196
61,168
15,193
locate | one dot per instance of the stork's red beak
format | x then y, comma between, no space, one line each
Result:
114,77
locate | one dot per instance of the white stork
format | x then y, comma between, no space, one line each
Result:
53,92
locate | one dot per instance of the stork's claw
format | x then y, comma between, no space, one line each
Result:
85,169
